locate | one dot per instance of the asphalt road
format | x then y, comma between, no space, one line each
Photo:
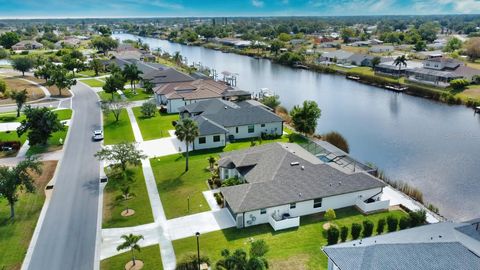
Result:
67,237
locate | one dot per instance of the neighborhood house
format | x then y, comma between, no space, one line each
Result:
27,45
282,182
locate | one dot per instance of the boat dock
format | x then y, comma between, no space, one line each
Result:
477,109
396,88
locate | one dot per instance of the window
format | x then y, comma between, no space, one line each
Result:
236,129
202,140
251,128
263,125
293,205
317,203
263,211
216,138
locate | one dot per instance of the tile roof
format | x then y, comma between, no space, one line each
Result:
272,180
197,89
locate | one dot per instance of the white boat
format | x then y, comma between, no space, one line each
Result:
265,92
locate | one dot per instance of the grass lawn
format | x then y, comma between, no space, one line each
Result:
141,95
175,185
15,235
296,248
107,96
154,127
93,82
149,255
117,132
63,114
472,92
11,136
88,73
112,207
53,143
11,117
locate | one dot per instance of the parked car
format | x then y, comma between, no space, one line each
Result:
97,135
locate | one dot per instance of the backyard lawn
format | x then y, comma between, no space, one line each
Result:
154,127
298,248
140,95
150,256
117,132
15,235
93,82
175,185
112,206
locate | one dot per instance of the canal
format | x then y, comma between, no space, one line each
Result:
430,145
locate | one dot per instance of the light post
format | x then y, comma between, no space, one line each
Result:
197,234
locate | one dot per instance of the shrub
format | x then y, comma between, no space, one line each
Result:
355,230
174,123
3,86
337,139
332,235
162,110
231,182
392,223
217,182
380,226
417,218
258,248
148,109
404,223
367,228
190,262
459,84
330,214
218,198
268,136
343,233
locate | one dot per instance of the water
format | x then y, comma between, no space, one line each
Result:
433,146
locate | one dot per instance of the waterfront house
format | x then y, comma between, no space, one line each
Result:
176,94
282,182
67,42
220,121
27,45
445,245
365,60
381,49
338,57
390,69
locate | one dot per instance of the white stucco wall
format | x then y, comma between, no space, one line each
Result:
209,143
242,133
306,207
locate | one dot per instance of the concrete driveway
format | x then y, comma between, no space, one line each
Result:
163,146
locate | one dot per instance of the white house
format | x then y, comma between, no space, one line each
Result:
221,120
283,181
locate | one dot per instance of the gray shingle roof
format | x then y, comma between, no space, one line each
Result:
168,75
242,116
207,127
208,106
272,181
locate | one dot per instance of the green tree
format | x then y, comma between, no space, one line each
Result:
148,86
381,226
332,235
39,124
305,118
131,242
44,71
404,222
276,45
472,48
347,34
399,62
148,109
258,248
428,31
96,65
239,260
61,79
338,140
186,131
343,233
284,37
104,44
459,84
4,54
132,73
122,154
115,106
453,44
22,64
8,39
211,162
271,101
20,97
125,196
19,177
113,83
418,217
3,86
330,215
392,223
367,228
376,61
420,46
71,63
355,230
177,57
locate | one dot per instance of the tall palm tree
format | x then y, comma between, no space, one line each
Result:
186,131
177,57
399,62
132,73
130,242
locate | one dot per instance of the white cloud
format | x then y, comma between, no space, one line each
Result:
257,3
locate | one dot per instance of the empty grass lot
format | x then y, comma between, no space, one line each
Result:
117,132
15,234
112,206
150,256
296,248
154,127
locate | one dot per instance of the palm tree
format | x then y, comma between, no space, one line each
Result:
177,57
125,196
130,242
399,61
186,131
211,162
20,176
132,73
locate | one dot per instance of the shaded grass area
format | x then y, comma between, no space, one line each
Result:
112,206
117,132
62,114
93,82
15,234
296,248
149,255
139,95
176,186
54,143
154,127
88,73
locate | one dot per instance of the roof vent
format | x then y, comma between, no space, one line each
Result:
299,194
303,168
225,107
296,163
339,183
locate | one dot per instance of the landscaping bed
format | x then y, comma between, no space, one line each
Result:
154,127
297,248
150,256
15,235
117,132
139,202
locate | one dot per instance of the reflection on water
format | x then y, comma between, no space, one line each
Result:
431,145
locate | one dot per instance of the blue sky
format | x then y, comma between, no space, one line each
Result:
183,8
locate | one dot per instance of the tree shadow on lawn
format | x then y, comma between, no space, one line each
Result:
250,233
171,184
